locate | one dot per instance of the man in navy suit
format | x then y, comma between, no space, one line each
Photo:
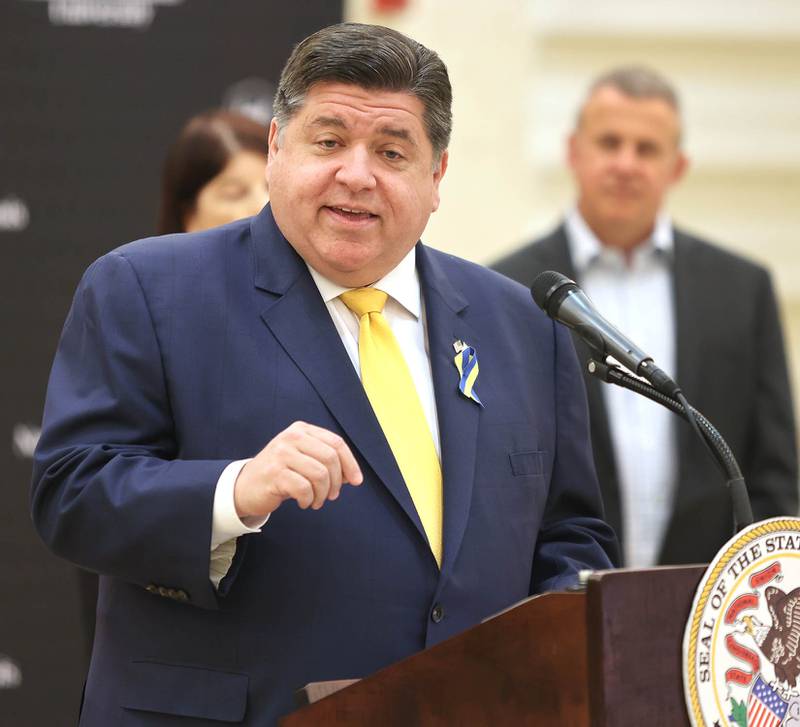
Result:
233,571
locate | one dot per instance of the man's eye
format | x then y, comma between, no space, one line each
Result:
392,155
608,142
328,143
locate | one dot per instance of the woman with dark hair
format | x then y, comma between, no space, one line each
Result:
213,173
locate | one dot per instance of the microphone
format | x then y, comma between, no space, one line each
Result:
564,301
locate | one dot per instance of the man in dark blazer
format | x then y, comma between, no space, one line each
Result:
711,312
232,573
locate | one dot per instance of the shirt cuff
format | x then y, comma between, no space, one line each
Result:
225,523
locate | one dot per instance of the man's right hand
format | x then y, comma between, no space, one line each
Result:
304,462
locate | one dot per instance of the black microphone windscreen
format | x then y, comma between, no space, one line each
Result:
545,284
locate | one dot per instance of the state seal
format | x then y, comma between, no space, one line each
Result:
741,646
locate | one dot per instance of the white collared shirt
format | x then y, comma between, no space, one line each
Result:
405,313
637,297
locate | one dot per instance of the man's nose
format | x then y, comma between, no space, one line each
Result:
626,159
356,169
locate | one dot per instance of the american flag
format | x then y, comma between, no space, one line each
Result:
765,708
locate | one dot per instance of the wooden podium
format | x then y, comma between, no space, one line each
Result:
606,657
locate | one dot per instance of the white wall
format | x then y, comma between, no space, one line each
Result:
519,67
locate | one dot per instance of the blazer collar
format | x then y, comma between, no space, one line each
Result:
555,253
691,304
459,417
296,315
691,301
275,263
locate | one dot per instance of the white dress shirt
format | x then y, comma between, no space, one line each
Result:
636,296
405,314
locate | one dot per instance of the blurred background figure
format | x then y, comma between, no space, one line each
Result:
213,173
708,317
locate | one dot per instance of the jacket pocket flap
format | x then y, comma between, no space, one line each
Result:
526,463
185,691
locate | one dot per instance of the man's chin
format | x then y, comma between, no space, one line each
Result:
351,271
624,215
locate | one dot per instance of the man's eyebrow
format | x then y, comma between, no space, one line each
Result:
339,123
398,133
324,121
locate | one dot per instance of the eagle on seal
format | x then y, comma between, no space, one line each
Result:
780,642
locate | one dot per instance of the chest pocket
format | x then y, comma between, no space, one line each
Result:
527,463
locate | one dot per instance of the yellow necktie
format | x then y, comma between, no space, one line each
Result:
391,391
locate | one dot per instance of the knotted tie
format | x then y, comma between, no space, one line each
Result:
391,391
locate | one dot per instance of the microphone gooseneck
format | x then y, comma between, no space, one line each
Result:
564,301
716,445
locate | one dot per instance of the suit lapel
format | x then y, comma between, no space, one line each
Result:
298,318
689,300
553,253
688,295
458,416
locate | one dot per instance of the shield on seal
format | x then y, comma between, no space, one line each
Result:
765,708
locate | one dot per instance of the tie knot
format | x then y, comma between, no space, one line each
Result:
364,300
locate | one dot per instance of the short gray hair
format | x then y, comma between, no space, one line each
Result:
639,82
372,57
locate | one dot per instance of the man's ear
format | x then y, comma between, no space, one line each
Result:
438,173
272,139
572,149
681,167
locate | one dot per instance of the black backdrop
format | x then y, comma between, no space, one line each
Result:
91,94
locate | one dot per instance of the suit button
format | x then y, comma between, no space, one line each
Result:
163,591
437,614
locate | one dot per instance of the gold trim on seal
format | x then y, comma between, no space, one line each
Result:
710,579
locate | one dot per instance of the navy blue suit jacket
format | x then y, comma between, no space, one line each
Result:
183,353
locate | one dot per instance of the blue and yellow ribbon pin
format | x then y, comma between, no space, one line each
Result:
466,362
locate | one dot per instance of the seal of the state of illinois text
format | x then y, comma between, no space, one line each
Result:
741,647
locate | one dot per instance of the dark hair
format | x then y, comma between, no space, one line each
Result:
373,57
203,148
